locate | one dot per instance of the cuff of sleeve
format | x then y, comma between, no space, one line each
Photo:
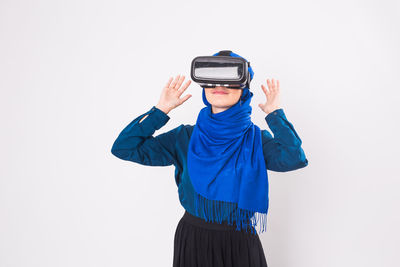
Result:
157,117
277,119
159,112
274,115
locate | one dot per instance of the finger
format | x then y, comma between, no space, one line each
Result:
264,89
267,90
180,81
269,84
277,84
273,84
186,97
175,81
169,82
185,86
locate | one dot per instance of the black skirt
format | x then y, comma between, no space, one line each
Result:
198,243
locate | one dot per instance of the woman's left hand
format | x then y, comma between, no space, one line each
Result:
273,96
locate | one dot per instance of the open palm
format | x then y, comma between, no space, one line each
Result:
171,94
273,96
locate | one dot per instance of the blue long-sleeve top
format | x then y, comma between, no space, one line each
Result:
136,143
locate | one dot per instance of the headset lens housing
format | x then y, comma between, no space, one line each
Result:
211,71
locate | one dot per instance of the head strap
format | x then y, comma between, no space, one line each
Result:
224,53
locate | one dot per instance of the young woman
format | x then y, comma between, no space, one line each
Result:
220,169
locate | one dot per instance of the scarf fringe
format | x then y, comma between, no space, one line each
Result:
219,211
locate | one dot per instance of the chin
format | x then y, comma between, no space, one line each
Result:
221,103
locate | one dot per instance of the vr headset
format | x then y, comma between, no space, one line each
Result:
221,70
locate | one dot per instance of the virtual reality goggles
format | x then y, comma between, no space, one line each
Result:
221,70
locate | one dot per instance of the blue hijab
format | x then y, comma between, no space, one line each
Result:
226,165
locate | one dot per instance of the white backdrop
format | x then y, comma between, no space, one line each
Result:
74,73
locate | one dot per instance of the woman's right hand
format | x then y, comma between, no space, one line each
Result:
171,93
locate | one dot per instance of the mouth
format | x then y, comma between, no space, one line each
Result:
220,92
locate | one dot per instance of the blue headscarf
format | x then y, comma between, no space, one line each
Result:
226,165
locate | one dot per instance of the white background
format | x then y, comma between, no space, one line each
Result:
74,73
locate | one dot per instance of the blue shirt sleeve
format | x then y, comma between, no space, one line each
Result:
136,141
283,152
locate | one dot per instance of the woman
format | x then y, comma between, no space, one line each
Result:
220,168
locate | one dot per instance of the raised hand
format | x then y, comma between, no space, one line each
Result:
272,95
171,93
